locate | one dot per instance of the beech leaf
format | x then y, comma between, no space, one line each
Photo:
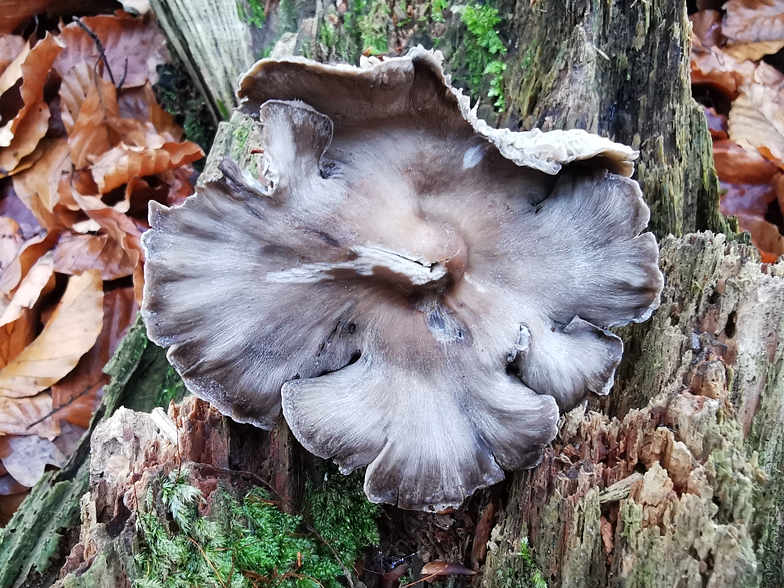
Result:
26,457
753,28
30,289
27,416
69,334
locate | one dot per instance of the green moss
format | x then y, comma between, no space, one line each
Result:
176,94
521,570
252,12
249,542
373,26
483,50
342,514
437,8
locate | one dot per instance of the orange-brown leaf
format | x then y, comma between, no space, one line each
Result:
753,28
34,73
70,333
140,104
29,132
13,70
78,394
706,28
736,165
89,136
125,162
138,40
764,235
28,254
74,254
14,337
28,416
711,66
15,12
441,568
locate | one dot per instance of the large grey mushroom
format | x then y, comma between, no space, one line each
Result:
417,292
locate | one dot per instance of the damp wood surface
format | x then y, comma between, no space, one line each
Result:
674,480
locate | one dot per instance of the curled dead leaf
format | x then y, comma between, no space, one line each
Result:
123,163
753,28
30,251
26,457
38,279
29,132
70,333
135,46
89,134
15,336
711,66
140,104
706,28
15,12
757,120
736,165
764,235
35,69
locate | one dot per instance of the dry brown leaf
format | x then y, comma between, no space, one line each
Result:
77,395
14,337
38,186
736,165
123,163
706,28
764,235
74,254
73,90
89,135
10,47
756,119
30,131
70,333
34,73
748,199
138,40
753,28
16,12
26,457
711,66
28,416
28,254
38,279
10,240
140,104
433,569
9,486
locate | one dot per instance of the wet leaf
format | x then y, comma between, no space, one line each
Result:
124,163
35,69
40,276
26,457
753,28
70,333
78,394
138,40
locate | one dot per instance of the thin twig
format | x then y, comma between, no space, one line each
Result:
207,559
59,408
125,73
99,46
425,579
335,553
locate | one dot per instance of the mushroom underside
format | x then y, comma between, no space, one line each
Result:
412,300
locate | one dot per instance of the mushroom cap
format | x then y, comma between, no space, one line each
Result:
417,292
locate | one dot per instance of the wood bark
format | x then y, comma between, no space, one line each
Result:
674,480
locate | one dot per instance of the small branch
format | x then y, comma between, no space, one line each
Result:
101,51
335,553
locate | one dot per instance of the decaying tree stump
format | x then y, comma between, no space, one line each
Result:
675,480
